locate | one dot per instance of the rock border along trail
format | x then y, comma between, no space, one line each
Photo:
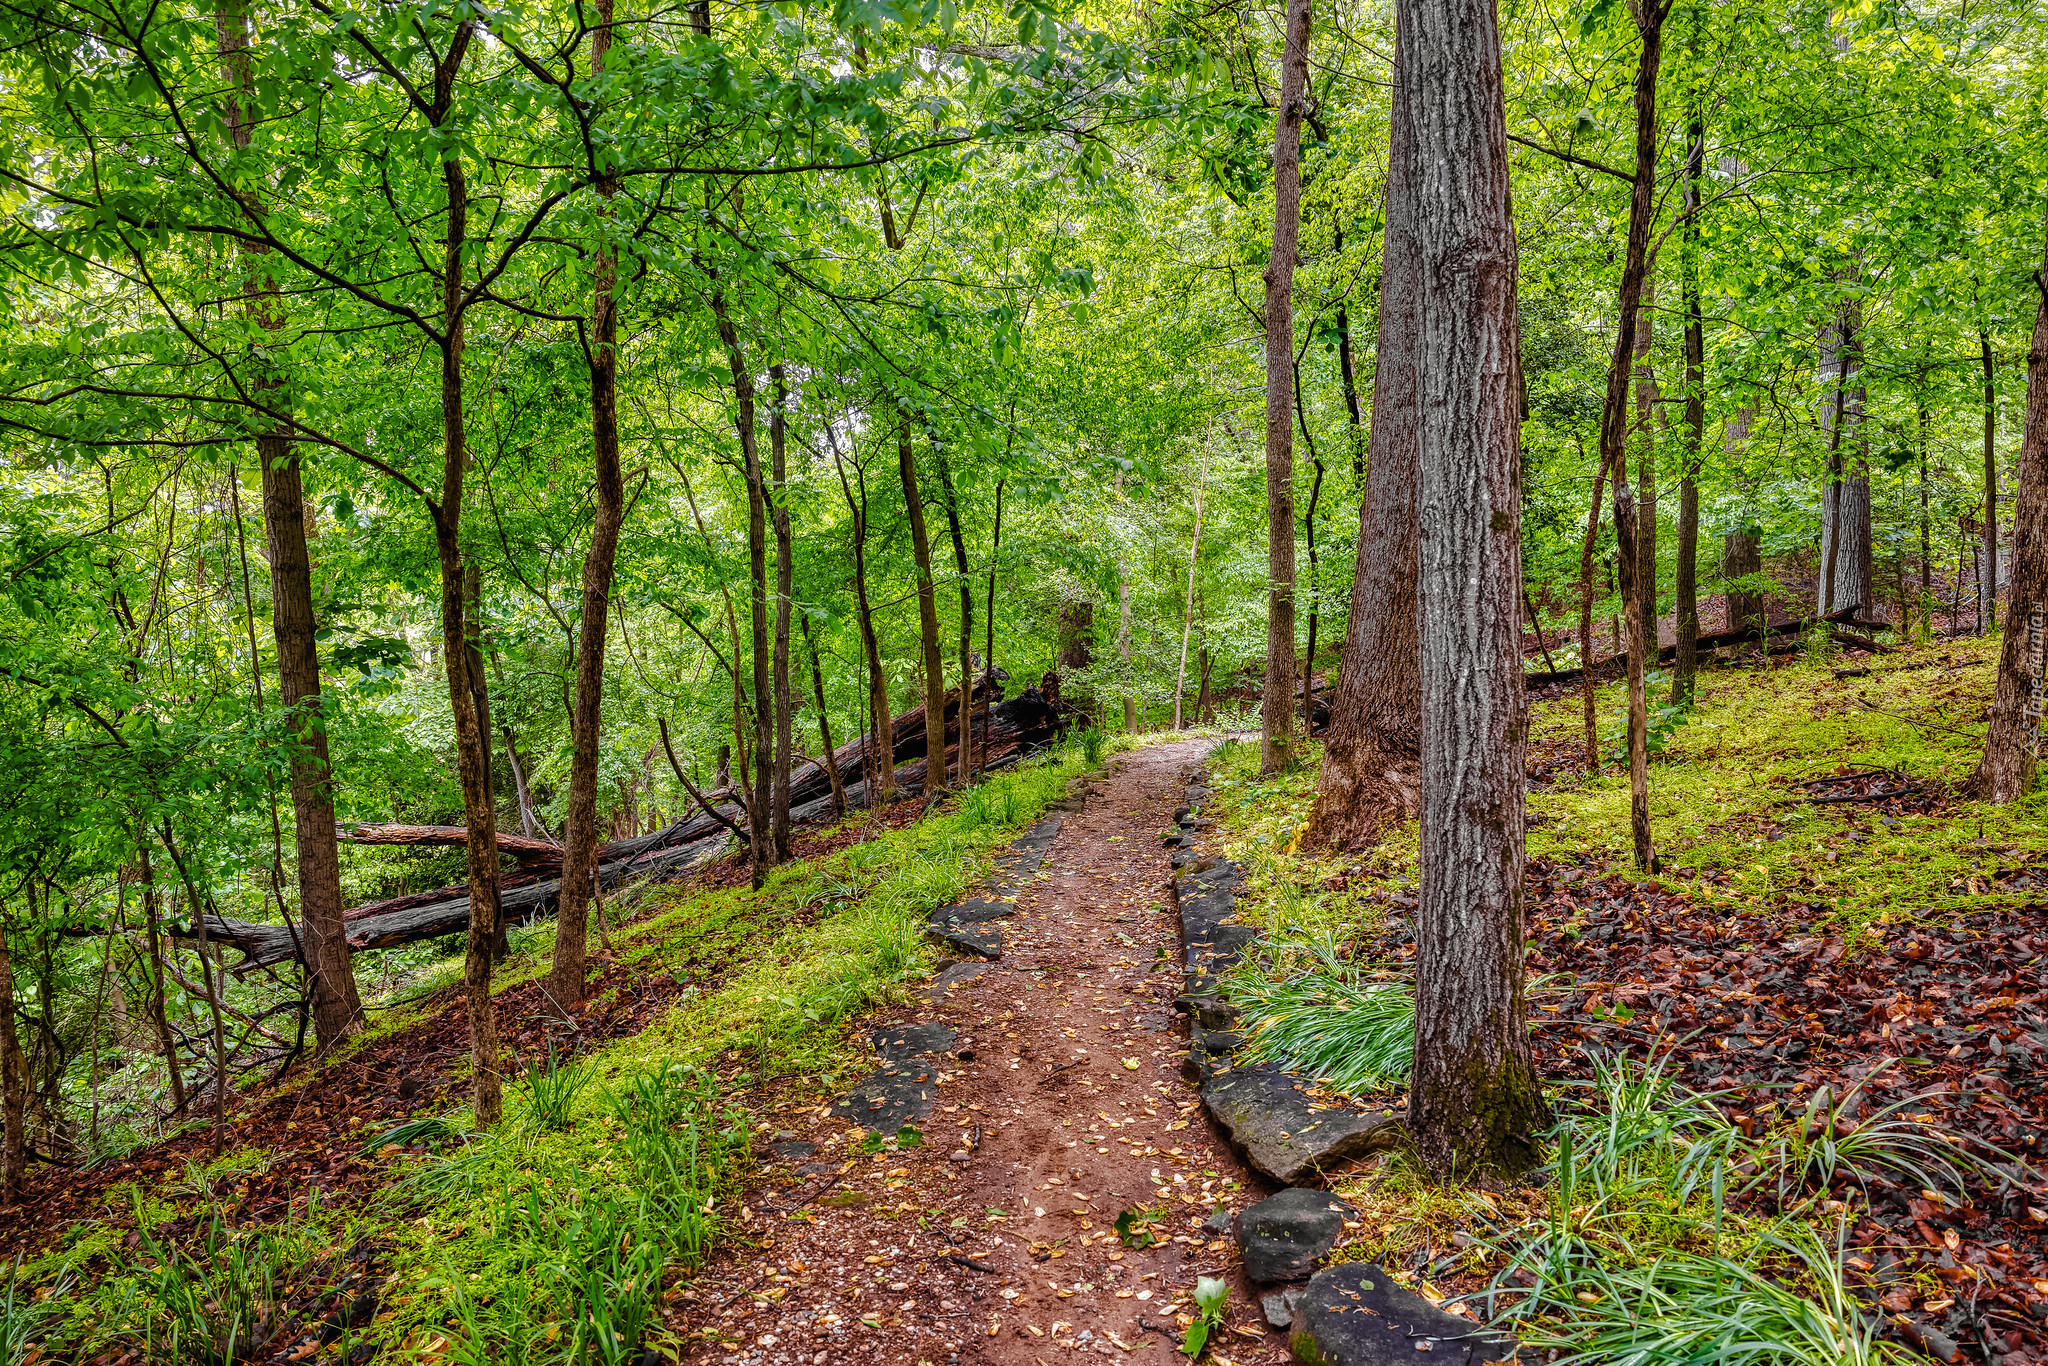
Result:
1052,1077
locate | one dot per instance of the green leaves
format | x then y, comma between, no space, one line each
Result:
1212,1296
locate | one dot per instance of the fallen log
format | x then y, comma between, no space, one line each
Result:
1015,728
523,851
1718,640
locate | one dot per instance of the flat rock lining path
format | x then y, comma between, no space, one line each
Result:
1056,1104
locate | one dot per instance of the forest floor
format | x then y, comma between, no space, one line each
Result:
1832,926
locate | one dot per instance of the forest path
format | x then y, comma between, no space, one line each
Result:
1058,1107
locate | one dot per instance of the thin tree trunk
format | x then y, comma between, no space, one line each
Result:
1614,421
519,788
13,1087
1687,608
336,1006
1308,522
828,756
989,618
1277,709
778,454
927,617
883,747
207,964
567,969
761,783
1586,689
159,995
2011,742
1347,373
1371,775
1187,614
1473,1100
472,756
1645,441
1987,577
1922,417
952,508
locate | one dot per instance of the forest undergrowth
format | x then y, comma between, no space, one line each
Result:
1794,1074
352,1213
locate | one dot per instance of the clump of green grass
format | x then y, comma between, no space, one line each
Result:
1323,1018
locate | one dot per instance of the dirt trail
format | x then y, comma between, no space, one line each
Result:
1059,1107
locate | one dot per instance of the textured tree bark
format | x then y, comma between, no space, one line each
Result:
1347,374
1614,420
778,454
567,968
1686,611
1987,576
1473,1101
1644,439
1846,569
927,600
471,751
337,1009
1277,707
2011,742
1371,776
761,843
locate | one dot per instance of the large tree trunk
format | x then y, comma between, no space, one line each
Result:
1645,443
1473,1101
778,452
1277,709
337,1009
1846,571
927,596
1614,423
2006,772
1686,611
567,968
480,702
472,754
1371,777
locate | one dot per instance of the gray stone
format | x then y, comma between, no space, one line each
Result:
952,975
1219,1221
1268,1118
1217,1043
794,1152
1283,1238
1213,1012
904,1040
901,1090
1354,1315
974,912
1279,1307
982,943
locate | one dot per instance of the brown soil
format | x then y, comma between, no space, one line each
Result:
1063,1108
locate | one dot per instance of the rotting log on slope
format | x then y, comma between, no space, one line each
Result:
1015,728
